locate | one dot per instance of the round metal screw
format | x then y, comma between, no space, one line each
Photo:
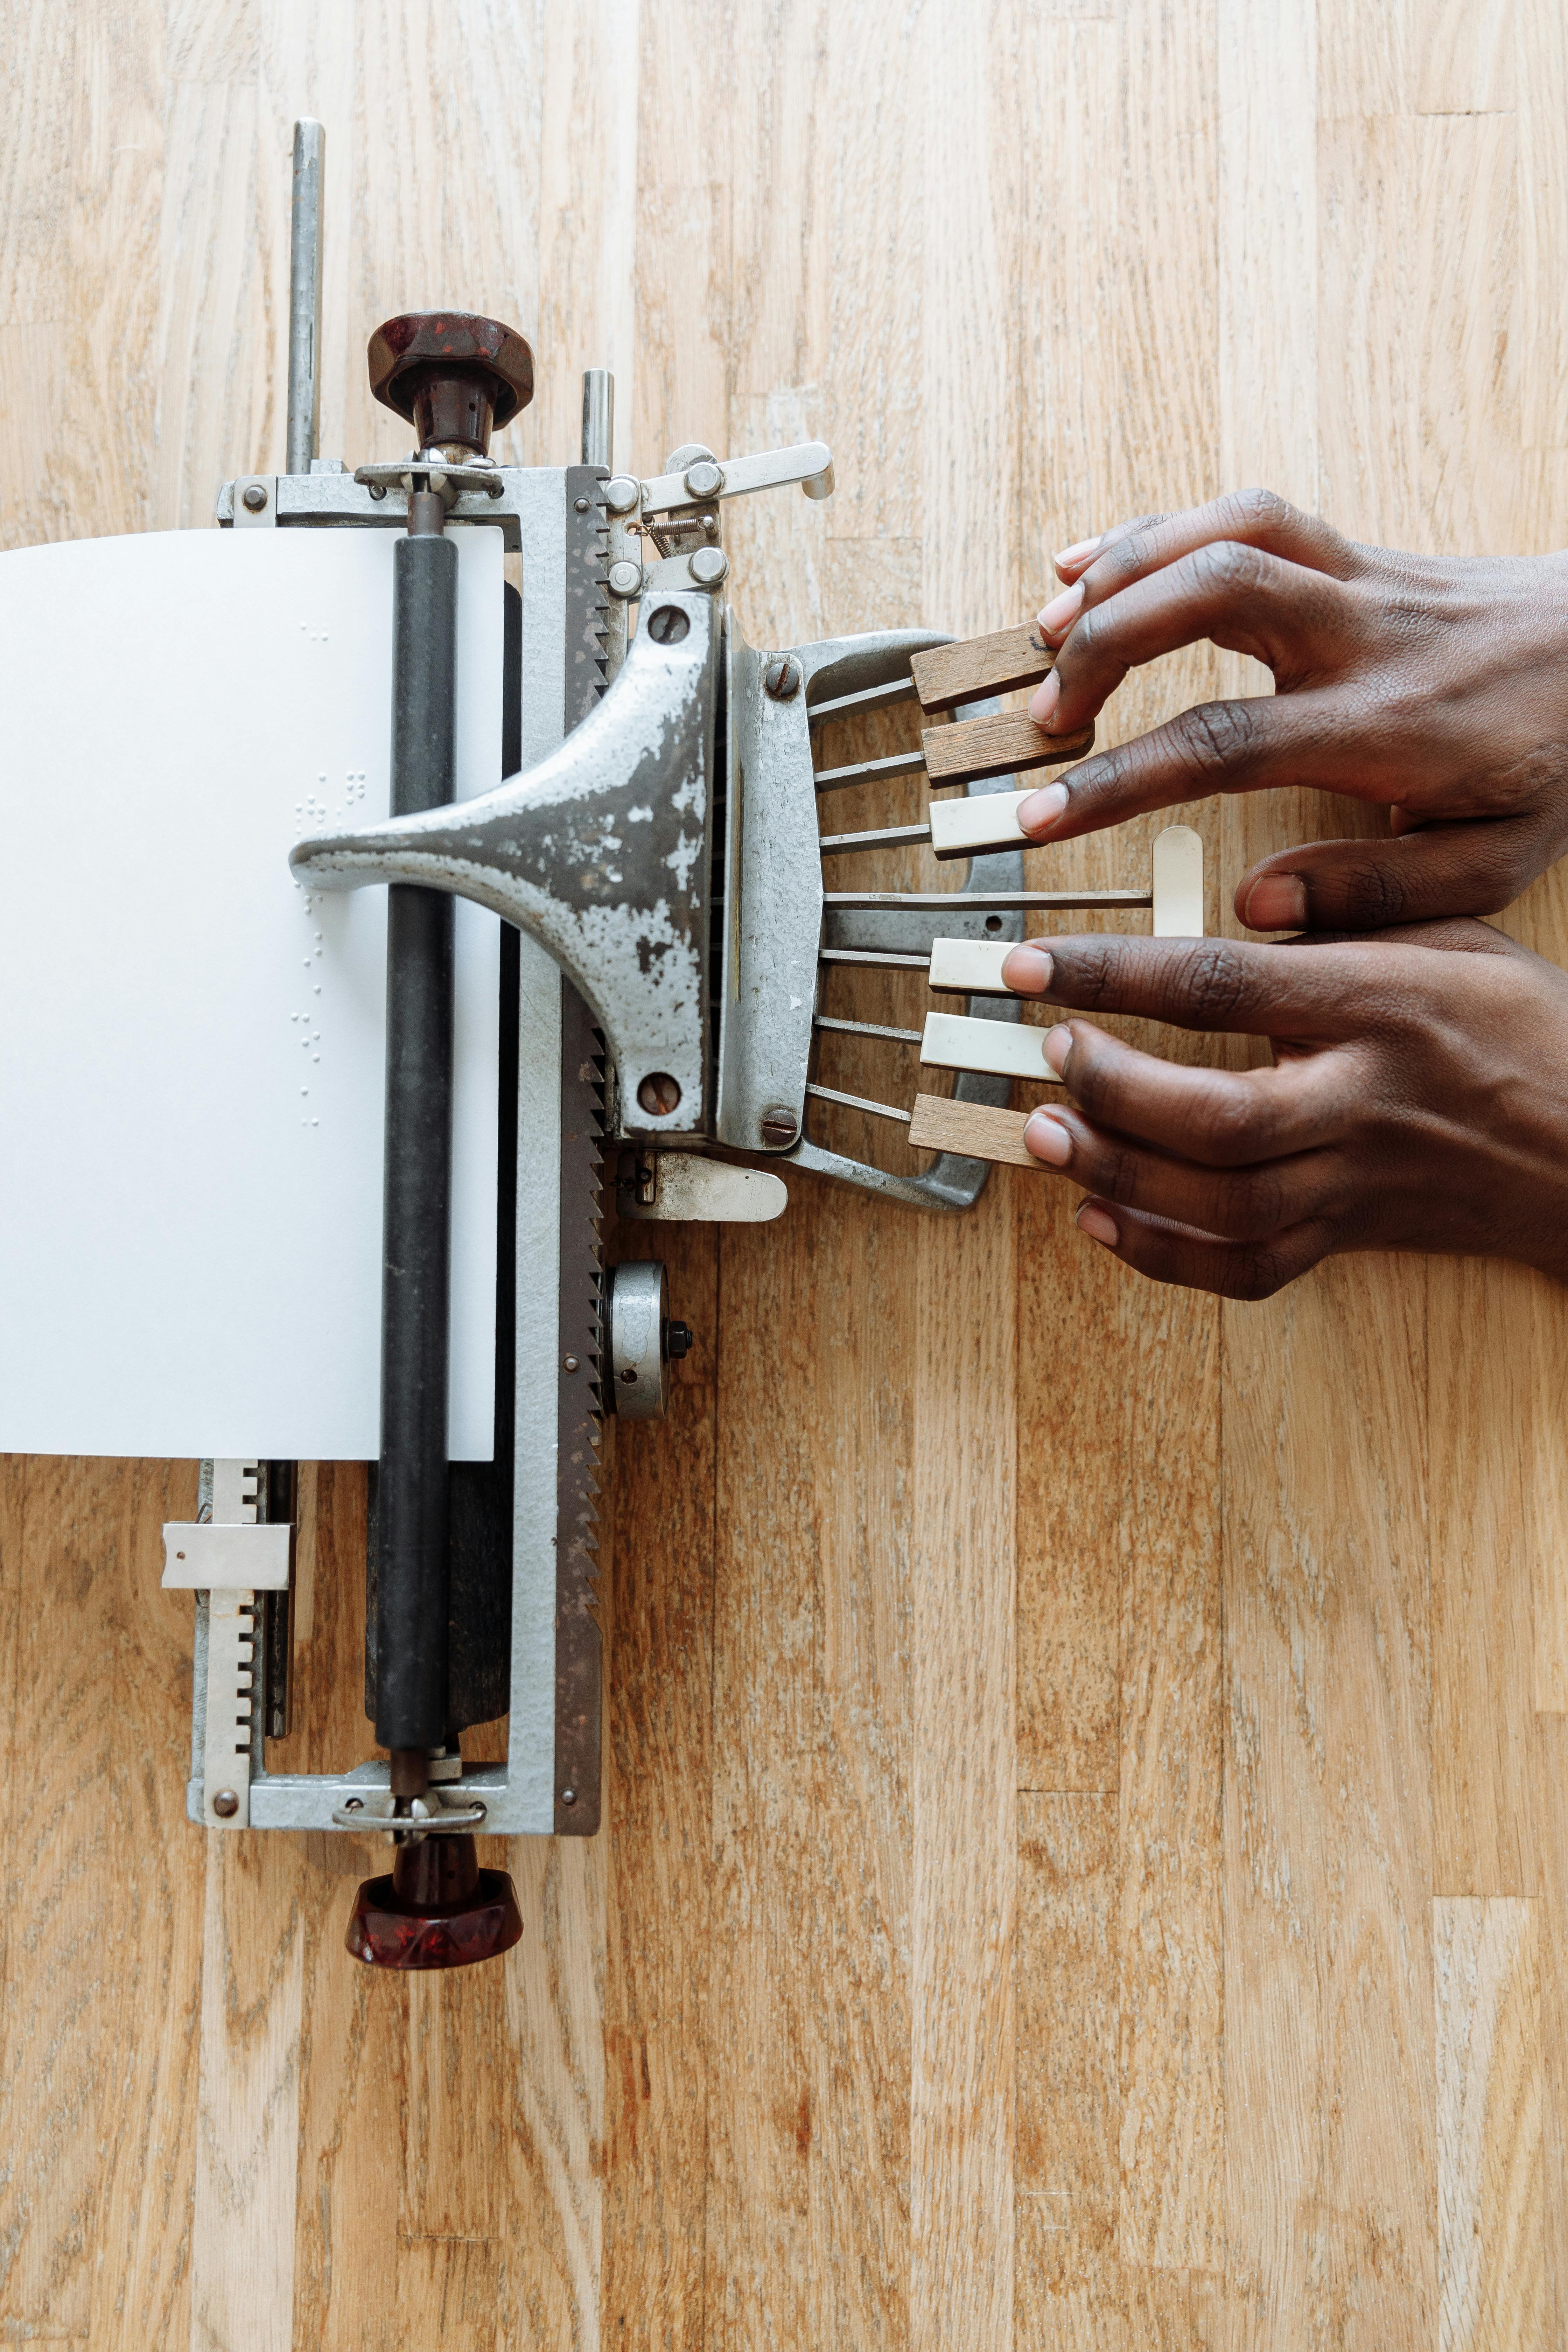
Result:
568,1796
569,1363
667,624
581,505
779,1126
225,1804
254,499
658,1093
707,566
629,1376
622,493
781,678
704,479
625,578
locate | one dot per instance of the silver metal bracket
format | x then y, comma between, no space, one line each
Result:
228,1560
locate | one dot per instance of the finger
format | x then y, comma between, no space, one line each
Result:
1172,1252
1293,619
1242,985
1363,886
1217,747
1218,1119
1241,1204
1130,551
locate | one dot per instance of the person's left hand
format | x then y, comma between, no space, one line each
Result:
1418,1100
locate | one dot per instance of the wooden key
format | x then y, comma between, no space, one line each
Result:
949,674
1001,745
974,1129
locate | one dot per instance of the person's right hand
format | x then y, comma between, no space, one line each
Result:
1437,687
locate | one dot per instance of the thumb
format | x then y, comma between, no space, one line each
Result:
1365,886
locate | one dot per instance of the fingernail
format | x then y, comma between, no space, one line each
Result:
1048,1140
1062,610
1041,810
1077,550
1058,1045
1276,902
1047,695
1096,1225
1028,969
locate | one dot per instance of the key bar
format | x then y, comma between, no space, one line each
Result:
858,1102
988,902
867,1029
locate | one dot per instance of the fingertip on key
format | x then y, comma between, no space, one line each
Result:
1076,553
1048,1140
1028,969
1042,809
1062,611
1044,700
1094,1222
1058,1045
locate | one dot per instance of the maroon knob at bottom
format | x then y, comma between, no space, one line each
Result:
438,1909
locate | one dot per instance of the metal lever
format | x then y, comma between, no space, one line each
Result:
810,464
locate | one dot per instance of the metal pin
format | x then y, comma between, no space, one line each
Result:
870,772
867,1029
305,296
858,1102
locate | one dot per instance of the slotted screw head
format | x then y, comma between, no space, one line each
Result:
781,678
455,376
659,1094
779,1126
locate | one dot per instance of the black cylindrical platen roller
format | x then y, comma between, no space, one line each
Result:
412,1575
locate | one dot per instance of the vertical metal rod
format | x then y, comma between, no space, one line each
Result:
305,296
412,1571
599,416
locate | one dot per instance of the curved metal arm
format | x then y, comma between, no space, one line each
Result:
600,853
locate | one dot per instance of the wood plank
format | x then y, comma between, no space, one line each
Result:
962,1524
659,1826
977,666
970,750
1068,2072
979,1132
1490,2115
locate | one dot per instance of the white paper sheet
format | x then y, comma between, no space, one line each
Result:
191,1049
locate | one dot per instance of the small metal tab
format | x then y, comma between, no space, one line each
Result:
673,1187
226,1559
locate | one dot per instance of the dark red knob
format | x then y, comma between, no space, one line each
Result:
437,1910
457,378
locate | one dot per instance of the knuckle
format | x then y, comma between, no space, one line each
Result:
1217,737
1257,508
1374,895
1228,567
1213,987
1250,1208
1252,1275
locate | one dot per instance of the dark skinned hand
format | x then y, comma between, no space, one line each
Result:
1437,687
1418,1100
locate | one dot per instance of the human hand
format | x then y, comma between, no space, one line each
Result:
1436,686
1418,1101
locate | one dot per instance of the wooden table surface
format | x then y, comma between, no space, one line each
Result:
1086,1848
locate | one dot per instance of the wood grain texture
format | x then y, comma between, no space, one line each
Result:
1490,2097
940,1124
1008,744
1086,1858
949,674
